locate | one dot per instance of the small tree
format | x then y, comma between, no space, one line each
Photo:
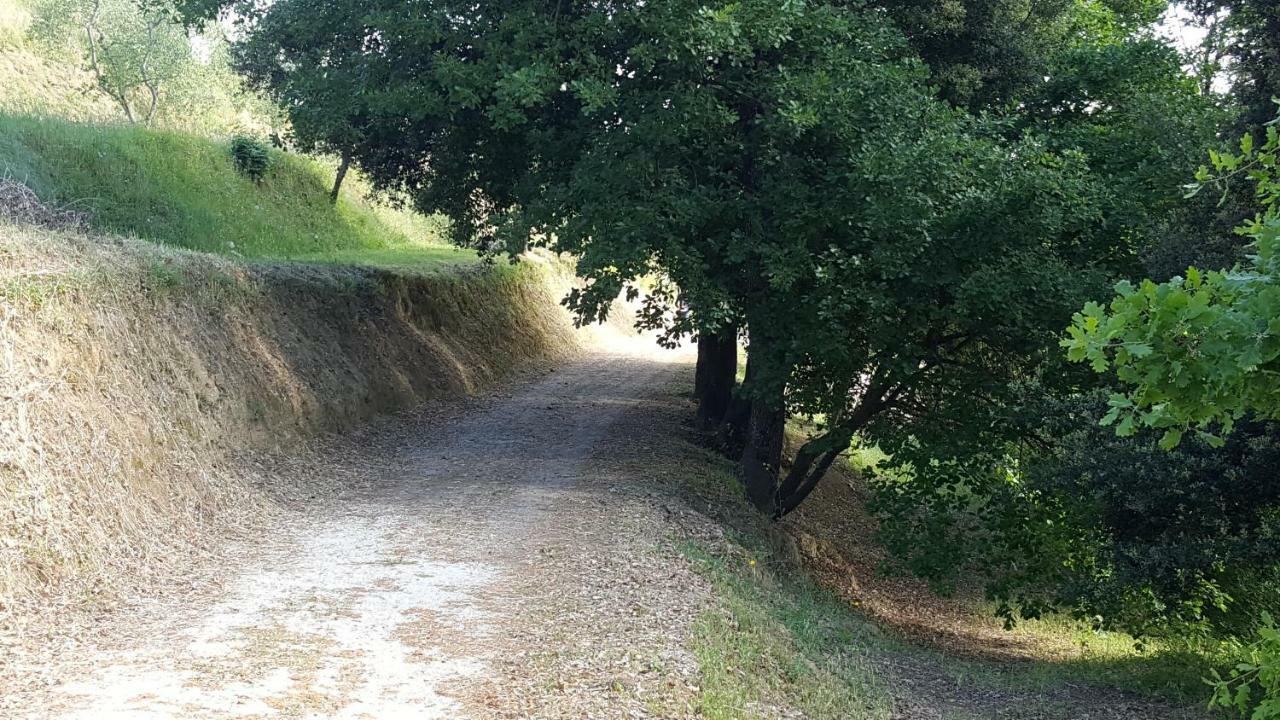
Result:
322,87
132,47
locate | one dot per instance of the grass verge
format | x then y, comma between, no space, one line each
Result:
784,640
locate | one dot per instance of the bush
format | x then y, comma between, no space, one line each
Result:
1115,530
251,157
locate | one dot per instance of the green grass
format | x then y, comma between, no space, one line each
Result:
182,190
780,640
779,637
399,259
1163,668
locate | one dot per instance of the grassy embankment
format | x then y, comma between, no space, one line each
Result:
135,373
137,379
66,140
182,190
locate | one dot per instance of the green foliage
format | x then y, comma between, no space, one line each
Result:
251,156
48,71
322,87
786,165
1197,352
989,54
1113,530
182,190
1141,123
1241,46
1252,686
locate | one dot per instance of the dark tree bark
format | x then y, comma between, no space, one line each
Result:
762,455
815,457
718,368
703,368
731,435
762,448
806,472
337,180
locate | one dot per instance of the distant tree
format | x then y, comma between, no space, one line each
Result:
134,48
1242,45
322,87
1142,124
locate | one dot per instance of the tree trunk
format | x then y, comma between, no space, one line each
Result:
815,457
342,174
762,455
762,451
731,436
806,472
706,351
718,367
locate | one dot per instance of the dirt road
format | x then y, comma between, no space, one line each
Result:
510,557
469,548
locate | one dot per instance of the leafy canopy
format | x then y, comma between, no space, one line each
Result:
1198,352
899,263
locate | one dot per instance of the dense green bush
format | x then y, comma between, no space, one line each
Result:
251,156
1187,539
1115,530
1197,357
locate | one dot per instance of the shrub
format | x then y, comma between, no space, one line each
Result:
251,156
1113,529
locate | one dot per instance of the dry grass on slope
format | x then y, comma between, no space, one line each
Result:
135,379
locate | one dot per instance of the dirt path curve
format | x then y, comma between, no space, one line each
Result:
470,568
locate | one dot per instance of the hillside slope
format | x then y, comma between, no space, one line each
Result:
131,373
183,190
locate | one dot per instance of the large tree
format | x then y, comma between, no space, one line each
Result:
896,263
